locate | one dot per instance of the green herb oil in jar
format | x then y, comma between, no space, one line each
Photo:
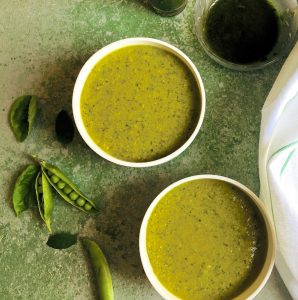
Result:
242,31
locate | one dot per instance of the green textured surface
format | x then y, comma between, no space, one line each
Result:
43,45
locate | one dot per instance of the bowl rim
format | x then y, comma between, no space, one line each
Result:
259,281
95,58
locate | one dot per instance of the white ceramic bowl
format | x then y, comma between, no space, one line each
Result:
94,59
261,278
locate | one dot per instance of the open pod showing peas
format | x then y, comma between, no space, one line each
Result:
66,188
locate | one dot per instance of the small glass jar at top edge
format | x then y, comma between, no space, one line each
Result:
168,8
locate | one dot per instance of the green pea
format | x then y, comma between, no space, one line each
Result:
39,189
55,178
73,195
87,206
49,173
39,180
61,185
80,201
67,189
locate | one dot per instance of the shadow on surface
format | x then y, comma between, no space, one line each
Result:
119,224
57,86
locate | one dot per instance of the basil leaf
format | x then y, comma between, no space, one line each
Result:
24,190
64,127
22,115
62,240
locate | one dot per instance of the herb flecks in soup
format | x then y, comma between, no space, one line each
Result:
140,103
206,240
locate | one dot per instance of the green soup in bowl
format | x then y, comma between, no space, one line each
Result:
139,102
207,237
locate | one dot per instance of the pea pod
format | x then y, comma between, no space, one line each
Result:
101,270
66,188
44,199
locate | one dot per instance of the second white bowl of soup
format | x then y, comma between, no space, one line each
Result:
207,237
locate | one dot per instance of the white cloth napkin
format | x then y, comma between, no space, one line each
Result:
278,167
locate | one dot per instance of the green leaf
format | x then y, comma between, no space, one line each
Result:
64,127
22,115
62,240
24,189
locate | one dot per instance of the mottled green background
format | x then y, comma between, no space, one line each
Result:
43,45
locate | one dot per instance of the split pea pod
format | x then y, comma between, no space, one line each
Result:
101,270
44,199
66,188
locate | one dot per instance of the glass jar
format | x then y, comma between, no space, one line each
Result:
168,8
287,33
